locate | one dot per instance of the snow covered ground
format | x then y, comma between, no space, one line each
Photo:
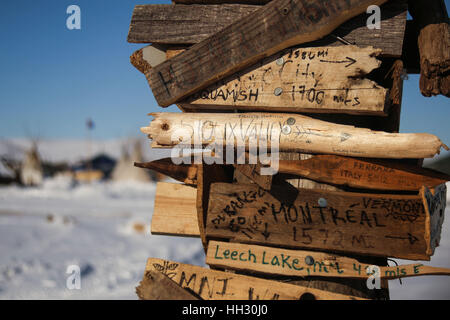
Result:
44,230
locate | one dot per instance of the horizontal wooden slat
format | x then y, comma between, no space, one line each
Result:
398,226
218,285
285,262
322,79
293,132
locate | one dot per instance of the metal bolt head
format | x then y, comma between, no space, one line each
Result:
290,121
280,61
278,91
286,129
322,202
309,260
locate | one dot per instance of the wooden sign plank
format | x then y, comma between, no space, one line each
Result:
220,1
186,173
363,173
175,211
174,24
182,24
293,132
277,25
218,285
277,261
157,286
371,224
321,79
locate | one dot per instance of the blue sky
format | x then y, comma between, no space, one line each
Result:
52,79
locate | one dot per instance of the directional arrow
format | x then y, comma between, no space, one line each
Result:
412,239
348,60
265,233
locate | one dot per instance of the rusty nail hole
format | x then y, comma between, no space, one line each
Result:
165,126
307,296
285,11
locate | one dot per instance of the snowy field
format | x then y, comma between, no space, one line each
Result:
44,230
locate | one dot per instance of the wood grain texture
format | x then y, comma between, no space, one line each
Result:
292,133
277,25
175,211
370,224
159,23
157,286
217,285
285,262
322,79
431,19
363,173
182,24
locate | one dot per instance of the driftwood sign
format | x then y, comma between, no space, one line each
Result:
321,79
278,25
290,132
278,261
217,285
399,226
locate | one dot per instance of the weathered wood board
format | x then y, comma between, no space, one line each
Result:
371,224
431,19
218,285
280,261
175,211
157,286
363,173
435,202
322,79
186,173
277,25
182,24
175,24
290,131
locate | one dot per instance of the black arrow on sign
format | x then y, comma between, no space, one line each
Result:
412,239
348,60
265,233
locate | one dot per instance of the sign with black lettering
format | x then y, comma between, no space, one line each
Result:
280,261
371,224
217,285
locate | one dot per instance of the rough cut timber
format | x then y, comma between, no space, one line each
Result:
277,25
175,24
157,286
285,262
217,285
322,79
292,132
431,19
175,211
399,226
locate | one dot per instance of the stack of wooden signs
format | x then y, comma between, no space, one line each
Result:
294,175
